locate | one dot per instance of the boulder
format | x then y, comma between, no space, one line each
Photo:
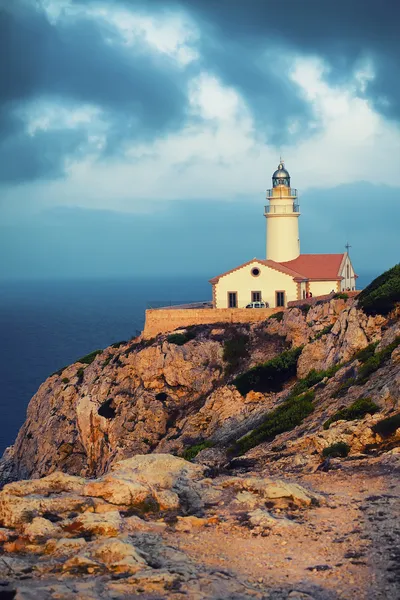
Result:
135,524
275,490
262,520
150,482
41,529
15,510
81,564
102,525
116,553
65,547
55,483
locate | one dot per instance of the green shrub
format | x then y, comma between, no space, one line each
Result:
314,377
235,349
181,338
269,376
366,353
285,417
338,450
376,361
357,410
382,294
341,296
107,361
131,348
89,358
278,316
193,451
324,331
65,380
387,427
118,344
80,373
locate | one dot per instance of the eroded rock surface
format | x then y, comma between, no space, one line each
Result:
68,529
155,396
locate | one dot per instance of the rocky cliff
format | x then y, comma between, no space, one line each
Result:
175,392
221,461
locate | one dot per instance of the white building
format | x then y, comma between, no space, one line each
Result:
285,274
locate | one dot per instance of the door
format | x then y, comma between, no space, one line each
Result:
232,299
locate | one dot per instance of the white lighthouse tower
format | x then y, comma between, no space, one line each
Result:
282,213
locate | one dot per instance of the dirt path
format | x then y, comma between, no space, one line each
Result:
348,549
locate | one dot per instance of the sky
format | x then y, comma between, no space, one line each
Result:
138,137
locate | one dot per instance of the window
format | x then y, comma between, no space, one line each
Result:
348,271
232,299
256,296
304,294
280,298
255,272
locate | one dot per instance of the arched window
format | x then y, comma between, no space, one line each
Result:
348,271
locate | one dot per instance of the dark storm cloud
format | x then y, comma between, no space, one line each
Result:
141,97
341,31
273,99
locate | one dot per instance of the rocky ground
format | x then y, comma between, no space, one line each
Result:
155,527
108,507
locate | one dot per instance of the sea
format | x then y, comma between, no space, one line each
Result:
45,325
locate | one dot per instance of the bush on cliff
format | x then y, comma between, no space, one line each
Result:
376,361
271,375
357,410
191,452
324,331
285,417
314,377
278,316
380,296
387,427
89,358
338,450
179,339
235,350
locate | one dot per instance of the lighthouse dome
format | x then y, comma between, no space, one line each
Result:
281,176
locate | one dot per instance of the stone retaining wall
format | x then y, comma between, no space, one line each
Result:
164,320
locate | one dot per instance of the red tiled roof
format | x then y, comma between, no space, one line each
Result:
317,266
282,267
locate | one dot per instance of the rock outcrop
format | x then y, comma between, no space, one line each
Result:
61,530
159,397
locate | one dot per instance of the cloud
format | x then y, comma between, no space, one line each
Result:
75,58
151,108
340,32
217,153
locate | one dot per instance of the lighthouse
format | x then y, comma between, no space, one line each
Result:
284,275
282,214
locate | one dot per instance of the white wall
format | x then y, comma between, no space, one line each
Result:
320,288
243,282
282,237
348,281
283,242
